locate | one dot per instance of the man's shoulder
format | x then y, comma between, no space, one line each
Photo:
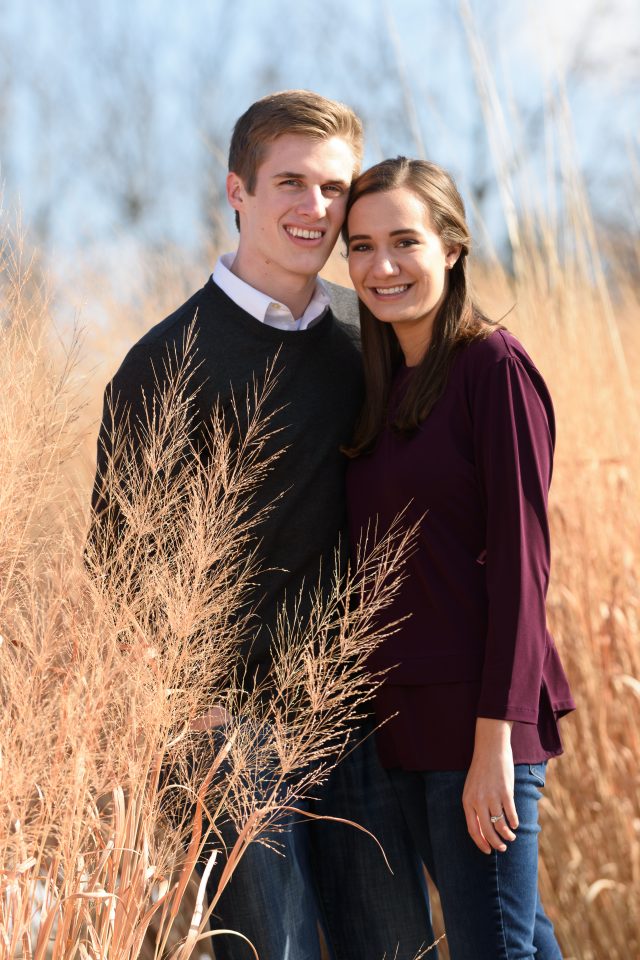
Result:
167,337
175,324
344,303
344,306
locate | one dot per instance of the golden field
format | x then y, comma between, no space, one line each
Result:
84,868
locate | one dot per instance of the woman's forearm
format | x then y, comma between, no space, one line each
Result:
488,792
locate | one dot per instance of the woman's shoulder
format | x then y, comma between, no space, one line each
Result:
498,364
500,344
495,353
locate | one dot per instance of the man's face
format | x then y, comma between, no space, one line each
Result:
289,226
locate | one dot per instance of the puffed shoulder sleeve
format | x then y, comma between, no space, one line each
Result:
514,435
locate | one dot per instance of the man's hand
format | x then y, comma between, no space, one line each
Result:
215,716
488,789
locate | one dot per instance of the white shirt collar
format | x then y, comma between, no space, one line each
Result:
262,307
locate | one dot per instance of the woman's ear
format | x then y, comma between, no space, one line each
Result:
452,255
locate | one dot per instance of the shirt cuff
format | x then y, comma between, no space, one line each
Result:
507,711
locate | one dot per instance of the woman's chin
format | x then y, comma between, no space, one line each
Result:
386,311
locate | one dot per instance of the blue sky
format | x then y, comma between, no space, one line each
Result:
114,115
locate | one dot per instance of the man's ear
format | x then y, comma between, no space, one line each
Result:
235,191
452,255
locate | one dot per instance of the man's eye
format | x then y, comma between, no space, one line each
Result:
290,183
334,189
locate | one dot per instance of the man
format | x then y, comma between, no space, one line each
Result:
291,161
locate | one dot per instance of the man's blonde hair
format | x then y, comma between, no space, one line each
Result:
299,112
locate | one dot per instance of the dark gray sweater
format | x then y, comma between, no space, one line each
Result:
317,395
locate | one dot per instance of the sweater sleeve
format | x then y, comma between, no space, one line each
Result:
125,414
513,439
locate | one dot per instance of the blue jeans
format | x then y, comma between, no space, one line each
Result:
490,903
333,874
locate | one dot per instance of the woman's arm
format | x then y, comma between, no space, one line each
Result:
513,439
488,789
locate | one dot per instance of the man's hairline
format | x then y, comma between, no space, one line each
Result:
316,138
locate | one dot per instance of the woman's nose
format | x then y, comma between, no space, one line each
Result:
384,266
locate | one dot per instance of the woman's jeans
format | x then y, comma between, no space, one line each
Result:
491,906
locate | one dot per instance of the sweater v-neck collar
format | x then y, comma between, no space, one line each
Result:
227,308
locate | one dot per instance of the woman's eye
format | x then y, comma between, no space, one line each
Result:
358,247
407,242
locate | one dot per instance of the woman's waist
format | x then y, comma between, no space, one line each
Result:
435,632
426,666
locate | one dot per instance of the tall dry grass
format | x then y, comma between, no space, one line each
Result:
577,311
73,691
113,650
70,812
590,863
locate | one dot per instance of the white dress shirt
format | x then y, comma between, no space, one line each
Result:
262,307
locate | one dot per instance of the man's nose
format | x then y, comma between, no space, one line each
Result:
313,204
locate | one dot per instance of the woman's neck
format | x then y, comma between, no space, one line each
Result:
414,341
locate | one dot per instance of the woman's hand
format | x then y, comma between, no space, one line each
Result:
488,789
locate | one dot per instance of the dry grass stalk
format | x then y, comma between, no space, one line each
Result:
105,664
568,311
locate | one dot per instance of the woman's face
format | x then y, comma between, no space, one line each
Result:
397,262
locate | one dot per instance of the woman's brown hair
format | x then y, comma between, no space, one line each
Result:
458,320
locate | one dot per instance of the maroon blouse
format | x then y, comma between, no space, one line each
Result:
476,476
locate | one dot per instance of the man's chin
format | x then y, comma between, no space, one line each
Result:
308,263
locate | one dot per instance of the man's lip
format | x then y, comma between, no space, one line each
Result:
296,226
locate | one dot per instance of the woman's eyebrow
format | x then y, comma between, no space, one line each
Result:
393,233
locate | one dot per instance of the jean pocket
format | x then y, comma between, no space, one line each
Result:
539,773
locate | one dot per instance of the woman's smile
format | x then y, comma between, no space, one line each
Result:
398,265
386,292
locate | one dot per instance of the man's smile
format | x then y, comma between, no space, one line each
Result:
304,233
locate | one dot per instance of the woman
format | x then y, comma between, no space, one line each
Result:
457,428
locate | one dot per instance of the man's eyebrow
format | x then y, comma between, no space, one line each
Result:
292,175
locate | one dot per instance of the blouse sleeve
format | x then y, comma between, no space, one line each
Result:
513,440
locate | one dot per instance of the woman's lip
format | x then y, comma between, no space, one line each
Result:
390,296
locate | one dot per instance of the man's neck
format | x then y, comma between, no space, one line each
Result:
294,291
